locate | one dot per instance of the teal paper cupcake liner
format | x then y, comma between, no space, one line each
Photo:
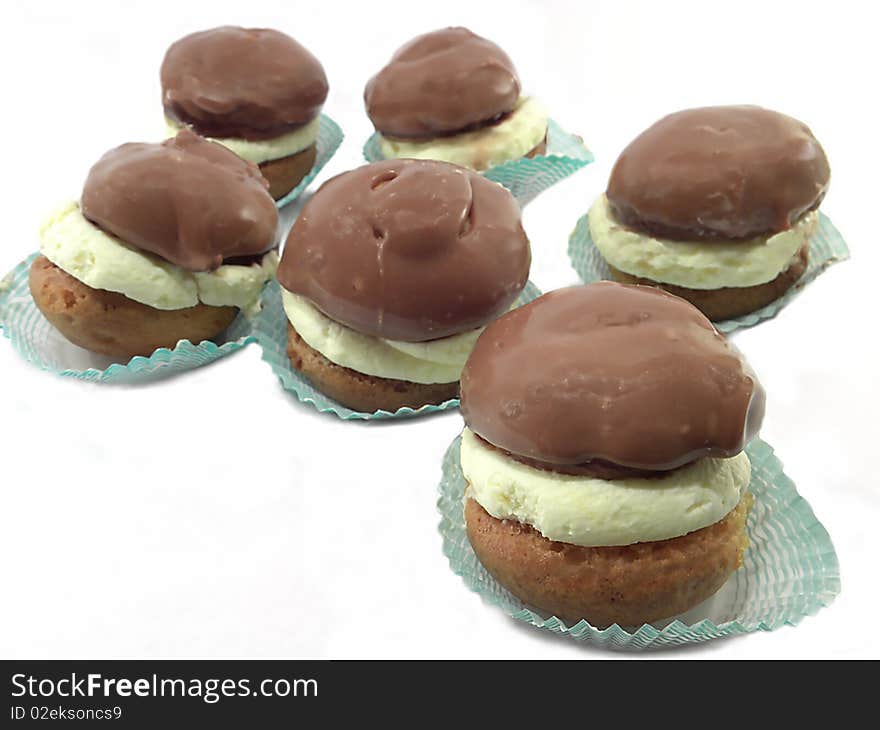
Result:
42,345
827,247
789,571
329,138
270,331
527,177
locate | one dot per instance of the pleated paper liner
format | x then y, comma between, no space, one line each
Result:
790,569
527,177
42,345
270,331
827,247
329,138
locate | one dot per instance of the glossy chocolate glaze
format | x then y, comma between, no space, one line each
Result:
442,83
188,200
719,173
623,374
250,83
411,250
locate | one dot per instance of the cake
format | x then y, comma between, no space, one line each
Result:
390,273
168,242
603,454
716,205
452,95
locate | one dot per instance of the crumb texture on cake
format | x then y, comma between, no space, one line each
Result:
438,361
112,324
628,585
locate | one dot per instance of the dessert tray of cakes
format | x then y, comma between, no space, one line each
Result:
609,483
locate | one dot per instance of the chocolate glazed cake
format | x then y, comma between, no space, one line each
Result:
240,85
604,453
186,200
703,184
190,206
448,85
389,274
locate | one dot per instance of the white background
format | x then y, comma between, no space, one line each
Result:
211,515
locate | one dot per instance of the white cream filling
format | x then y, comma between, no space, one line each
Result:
437,361
696,265
263,150
102,261
597,512
512,138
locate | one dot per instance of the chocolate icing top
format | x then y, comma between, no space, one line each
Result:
410,250
627,374
251,83
439,83
719,173
188,200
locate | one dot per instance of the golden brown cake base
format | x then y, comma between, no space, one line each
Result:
359,391
628,585
729,302
111,323
286,173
